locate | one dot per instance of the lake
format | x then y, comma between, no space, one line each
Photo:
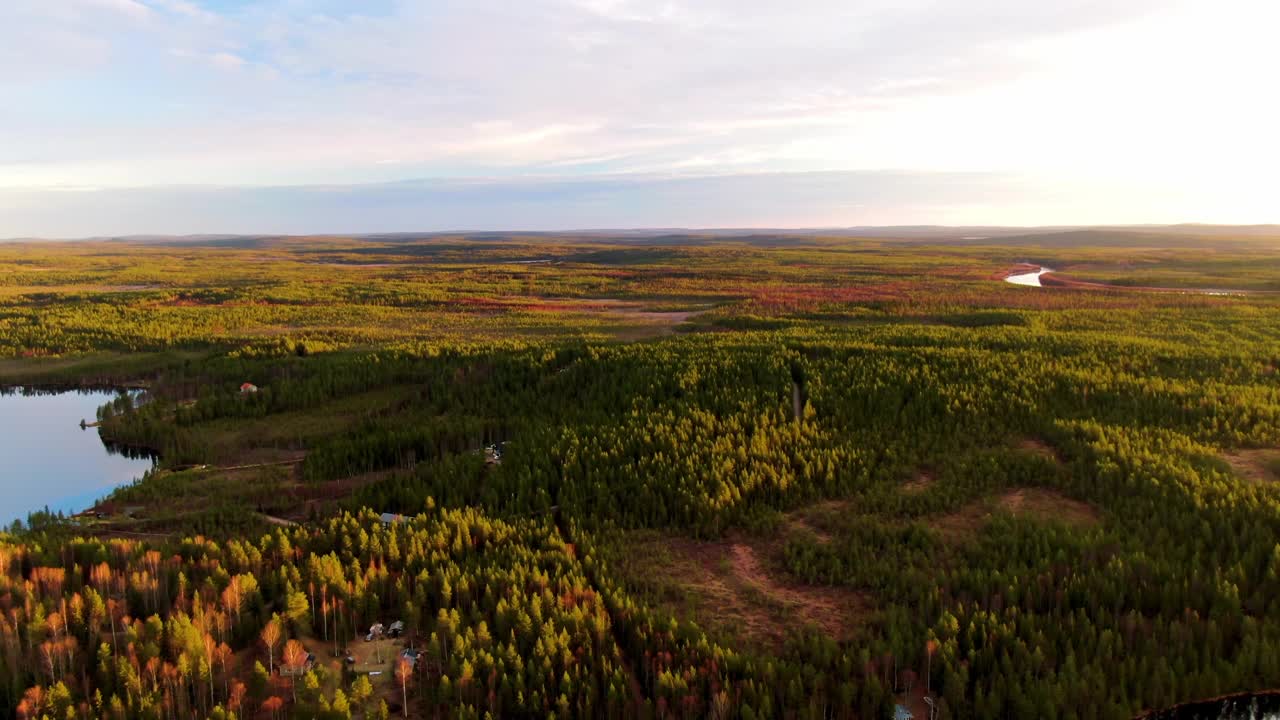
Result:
49,460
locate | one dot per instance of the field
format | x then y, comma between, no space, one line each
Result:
726,476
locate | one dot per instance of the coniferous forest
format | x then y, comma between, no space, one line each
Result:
664,477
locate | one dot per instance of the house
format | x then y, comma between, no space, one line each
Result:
248,389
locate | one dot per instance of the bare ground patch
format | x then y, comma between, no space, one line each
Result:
815,520
796,522
963,524
1035,503
731,586
826,608
1259,467
923,480
1042,504
1035,446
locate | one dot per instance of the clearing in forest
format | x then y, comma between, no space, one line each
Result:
815,519
922,481
630,319
1040,504
1256,466
798,522
732,587
1043,504
1039,447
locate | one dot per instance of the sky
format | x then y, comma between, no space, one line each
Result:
316,116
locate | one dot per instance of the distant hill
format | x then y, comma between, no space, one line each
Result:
1186,235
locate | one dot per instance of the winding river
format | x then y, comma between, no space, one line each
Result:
48,460
1032,279
1029,278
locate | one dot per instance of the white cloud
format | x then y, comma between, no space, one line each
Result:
227,60
187,9
1140,89
132,8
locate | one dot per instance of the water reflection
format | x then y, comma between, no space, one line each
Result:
49,460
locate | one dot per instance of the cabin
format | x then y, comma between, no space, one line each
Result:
248,389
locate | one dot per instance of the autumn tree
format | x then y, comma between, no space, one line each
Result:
270,638
404,673
294,660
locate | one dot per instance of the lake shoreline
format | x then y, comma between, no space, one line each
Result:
56,463
1270,696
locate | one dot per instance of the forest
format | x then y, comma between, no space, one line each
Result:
666,477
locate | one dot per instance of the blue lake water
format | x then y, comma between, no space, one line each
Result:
46,459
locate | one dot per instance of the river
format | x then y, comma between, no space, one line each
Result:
1031,278
48,460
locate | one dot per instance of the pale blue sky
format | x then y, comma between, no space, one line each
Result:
189,116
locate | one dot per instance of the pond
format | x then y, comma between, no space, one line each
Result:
49,460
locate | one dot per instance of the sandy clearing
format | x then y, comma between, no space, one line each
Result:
1040,504
923,480
732,586
1039,447
1259,467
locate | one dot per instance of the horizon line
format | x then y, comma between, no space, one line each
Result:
658,230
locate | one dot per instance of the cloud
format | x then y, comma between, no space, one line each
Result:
187,9
329,91
132,8
227,60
